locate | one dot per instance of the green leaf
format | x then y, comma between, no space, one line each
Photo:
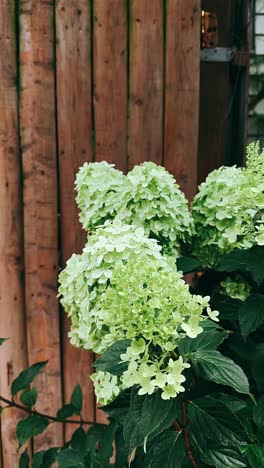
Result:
65,412
210,419
78,440
1,410
38,459
2,340
228,307
223,457
30,427
24,460
257,367
77,399
250,260
110,361
222,370
122,451
148,416
70,458
50,457
106,442
187,264
251,313
255,456
119,407
26,377
29,397
208,340
166,451
232,402
258,413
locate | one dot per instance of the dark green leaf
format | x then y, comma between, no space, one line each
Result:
106,442
77,399
122,451
166,451
65,412
78,440
258,366
29,397
255,456
250,260
258,413
1,410
24,460
228,307
206,340
29,427
148,416
187,264
38,459
70,458
50,457
223,457
110,361
2,340
232,402
251,313
119,407
26,377
222,370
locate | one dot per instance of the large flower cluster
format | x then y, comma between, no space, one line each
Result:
228,209
147,197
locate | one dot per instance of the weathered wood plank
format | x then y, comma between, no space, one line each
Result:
110,81
146,82
13,352
38,139
182,91
75,147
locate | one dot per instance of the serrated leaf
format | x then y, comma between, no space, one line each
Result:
258,413
70,458
29,397
24,460
30,427
187,265
250,260
110,361
148,416
77,399
26,377
166,451
233,403
251,313
208,340
223,457
119,407
222,370
255,456
65,412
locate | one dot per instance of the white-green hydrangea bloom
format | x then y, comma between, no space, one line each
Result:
106,386
156,202
227,210
100,190
86,277
236,288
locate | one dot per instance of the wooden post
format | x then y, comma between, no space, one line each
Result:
182,91
110,81
73,27
13,352
38,139
146,82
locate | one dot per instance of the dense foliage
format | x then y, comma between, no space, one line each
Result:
180,372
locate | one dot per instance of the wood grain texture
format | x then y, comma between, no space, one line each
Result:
75,147
182,92
146,82
110,81
38,139
13,352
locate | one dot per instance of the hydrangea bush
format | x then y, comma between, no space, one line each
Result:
180,367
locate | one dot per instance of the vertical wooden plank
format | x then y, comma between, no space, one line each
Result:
38,139
146,82
74,138
182,91
110,81
13,352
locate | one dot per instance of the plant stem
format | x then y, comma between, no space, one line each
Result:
186,434
12,403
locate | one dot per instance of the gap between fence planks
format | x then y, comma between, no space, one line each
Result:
12,352
182,92
73,30
38,140
146,34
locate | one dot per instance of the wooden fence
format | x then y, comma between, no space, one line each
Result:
80,80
